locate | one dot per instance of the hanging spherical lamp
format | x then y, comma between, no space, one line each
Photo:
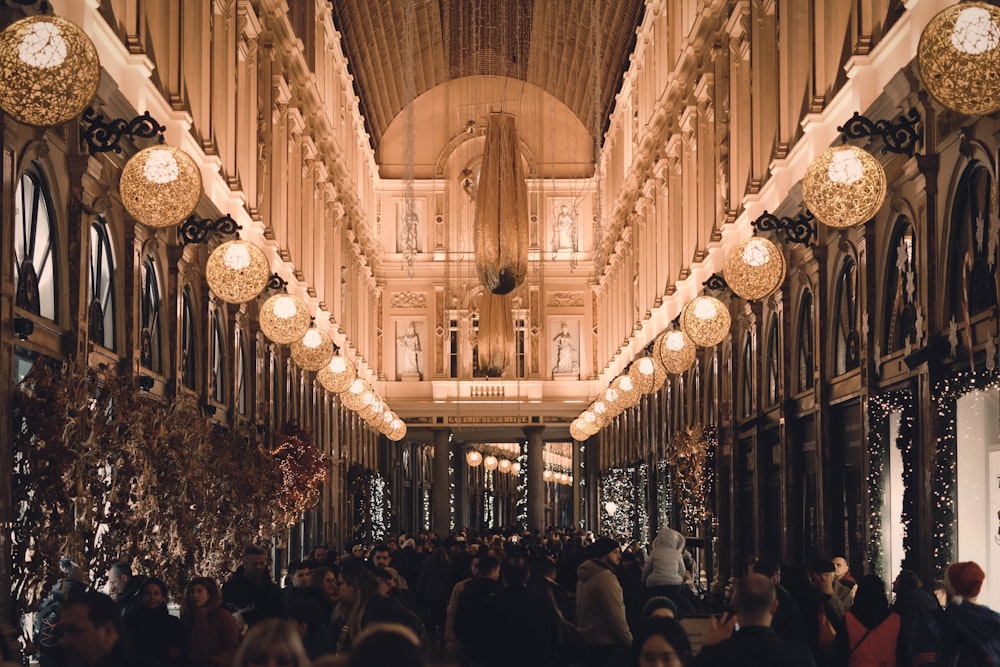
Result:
675,350
473,458
600,410
589,422
385,422
515,467
160,186
490,462
959,57
284,318
372,413
659,375
844,186
49,70
351,398
577,432
313,351
547,475
398,431
237,271
754,268
337,375
504,465
705,320
643,374
628,395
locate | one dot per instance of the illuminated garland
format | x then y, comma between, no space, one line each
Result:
664,498
303,471
641,514
372,503
690,457
581,475
617,486
879,409
521,509
488,517
451,487
943,493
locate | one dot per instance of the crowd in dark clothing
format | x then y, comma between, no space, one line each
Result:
559,599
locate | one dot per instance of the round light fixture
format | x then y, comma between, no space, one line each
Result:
337,375
351,398
237,271
959,56
490,462
160,186
844,186
547,475
643,374
473,458
754,268
675,350
705,320
398,431
49,70
504,465
628,395
284,318
313,351
515,467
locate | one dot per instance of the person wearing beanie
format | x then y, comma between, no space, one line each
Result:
600,603
970,632
660,606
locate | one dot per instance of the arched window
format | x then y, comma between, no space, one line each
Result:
806,358
189,341
34,247
847,348
746,378
773,365
218,358
150,351
101,313
973,287
242,373
901,289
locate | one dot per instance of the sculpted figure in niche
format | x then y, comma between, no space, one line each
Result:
564,230
409,345
566,362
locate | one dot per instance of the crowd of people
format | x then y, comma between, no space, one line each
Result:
517,599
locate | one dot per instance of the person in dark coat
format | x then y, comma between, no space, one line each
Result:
787,622
126,587
210,630
157,637
251,589
661,641
755,643
92,634
970,632
47,633
917,609
871,629
434,589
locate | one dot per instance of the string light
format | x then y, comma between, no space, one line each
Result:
879,409
521,469
617,487
380,508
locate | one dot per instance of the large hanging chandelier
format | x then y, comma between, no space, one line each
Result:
844,186
496,334
754,268
705,320
237,271
160,186
500,232
959,58
284,318
49,70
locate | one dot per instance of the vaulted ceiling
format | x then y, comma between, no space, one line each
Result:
577,50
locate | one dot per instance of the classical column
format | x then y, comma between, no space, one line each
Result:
536,483
441,488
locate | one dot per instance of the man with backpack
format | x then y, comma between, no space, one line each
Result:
46,633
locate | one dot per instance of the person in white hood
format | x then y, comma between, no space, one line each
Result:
664,571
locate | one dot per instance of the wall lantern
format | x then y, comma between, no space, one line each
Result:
313,351
490,462
515,467
49,70
237,271
351,397
844,186
628,395
398,431
643,374
675,350
547,475
959,56
473,458
705,320
504,465
160,186
284,318
754,268
337,375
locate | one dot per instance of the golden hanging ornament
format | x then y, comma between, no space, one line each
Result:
337,375
500,231
160,186
313,351
754,268
284,318
675,351
643,374
496,334
959,58
844,186
237,271
351,398
705,320
49,70
628,394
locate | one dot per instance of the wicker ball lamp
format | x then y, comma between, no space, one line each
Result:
705,320
844,186
754,268
314,351
237,271
959,58
160,186
337,375
49,70
675,350
284,318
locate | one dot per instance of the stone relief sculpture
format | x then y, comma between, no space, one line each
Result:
409,346
564,230
566,359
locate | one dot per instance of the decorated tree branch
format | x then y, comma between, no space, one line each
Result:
690,456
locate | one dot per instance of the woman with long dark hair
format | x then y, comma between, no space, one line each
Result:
157,637
871,634
211,631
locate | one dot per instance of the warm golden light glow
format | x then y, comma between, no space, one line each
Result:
958,58
705,320
237,271
313,351
473,458
284,318
160,186
337,375
675,351
490,462
754,268
844,186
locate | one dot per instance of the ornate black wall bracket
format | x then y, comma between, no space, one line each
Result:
43,7
100,135
276,282
800,229
198,230
716,283
898,137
